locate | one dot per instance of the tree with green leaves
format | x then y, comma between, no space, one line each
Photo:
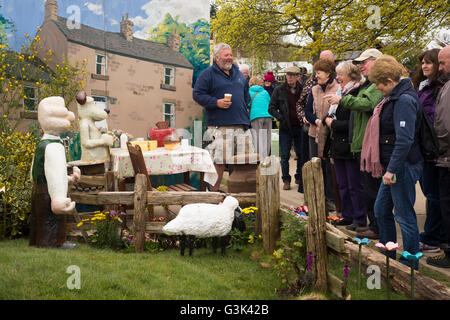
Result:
339,25
194,40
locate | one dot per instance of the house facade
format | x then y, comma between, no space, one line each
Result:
141,82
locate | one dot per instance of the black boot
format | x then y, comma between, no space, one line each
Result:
223,243
182,244
191,245
214,244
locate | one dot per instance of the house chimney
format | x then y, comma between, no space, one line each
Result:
126,28
173,41
51,10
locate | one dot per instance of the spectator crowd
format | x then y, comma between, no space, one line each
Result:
364,118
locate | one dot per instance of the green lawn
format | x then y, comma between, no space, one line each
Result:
32,273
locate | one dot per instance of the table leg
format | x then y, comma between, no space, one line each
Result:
202,182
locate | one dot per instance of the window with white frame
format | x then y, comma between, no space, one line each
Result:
169,113
99,99
101,103
30,100
101,66
169,76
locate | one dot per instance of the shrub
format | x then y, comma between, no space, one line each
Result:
108,233
240,239
291,263
16,155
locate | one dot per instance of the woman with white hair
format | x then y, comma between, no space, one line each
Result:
345,163
245,70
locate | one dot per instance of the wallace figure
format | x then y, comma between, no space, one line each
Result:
50,203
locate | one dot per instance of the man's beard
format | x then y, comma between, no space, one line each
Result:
225,65
443,77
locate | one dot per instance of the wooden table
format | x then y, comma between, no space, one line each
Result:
184,159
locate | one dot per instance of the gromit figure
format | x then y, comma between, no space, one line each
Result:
94,144
50,203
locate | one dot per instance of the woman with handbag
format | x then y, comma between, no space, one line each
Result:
316,109
427,84
260,119
345,163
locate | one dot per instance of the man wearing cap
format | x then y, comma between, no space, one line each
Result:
282,107
362,107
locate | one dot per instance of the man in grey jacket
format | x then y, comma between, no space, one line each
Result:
442,127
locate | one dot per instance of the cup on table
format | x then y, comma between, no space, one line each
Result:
227,97
185,142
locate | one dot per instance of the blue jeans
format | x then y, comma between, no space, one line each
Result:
299,138
434,232
400,197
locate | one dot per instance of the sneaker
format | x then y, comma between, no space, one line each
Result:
67,246
361,228
354,227
330,205
287,185
368,234
344,223
427,248
442,261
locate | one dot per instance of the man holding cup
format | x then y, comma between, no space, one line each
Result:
224,93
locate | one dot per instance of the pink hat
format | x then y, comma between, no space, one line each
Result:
269,77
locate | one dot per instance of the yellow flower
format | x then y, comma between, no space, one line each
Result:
277,254
79,224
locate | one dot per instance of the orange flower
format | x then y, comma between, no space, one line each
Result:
335,218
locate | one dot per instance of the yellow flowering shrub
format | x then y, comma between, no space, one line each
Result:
16,154
108,232
25,76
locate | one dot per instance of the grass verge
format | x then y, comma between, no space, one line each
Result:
32,273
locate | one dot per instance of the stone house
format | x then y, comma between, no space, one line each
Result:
141,82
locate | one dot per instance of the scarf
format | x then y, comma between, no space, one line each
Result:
370,153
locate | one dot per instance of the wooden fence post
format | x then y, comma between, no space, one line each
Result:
268,202
140,205
316,232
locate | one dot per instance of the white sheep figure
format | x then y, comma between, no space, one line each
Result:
203,220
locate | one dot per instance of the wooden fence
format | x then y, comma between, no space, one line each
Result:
267,199
324,239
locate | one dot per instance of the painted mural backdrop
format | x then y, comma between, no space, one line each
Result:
153,20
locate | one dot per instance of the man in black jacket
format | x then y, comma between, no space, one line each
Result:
283,107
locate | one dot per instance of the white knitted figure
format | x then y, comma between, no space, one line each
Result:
204,220
94,144
50,180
